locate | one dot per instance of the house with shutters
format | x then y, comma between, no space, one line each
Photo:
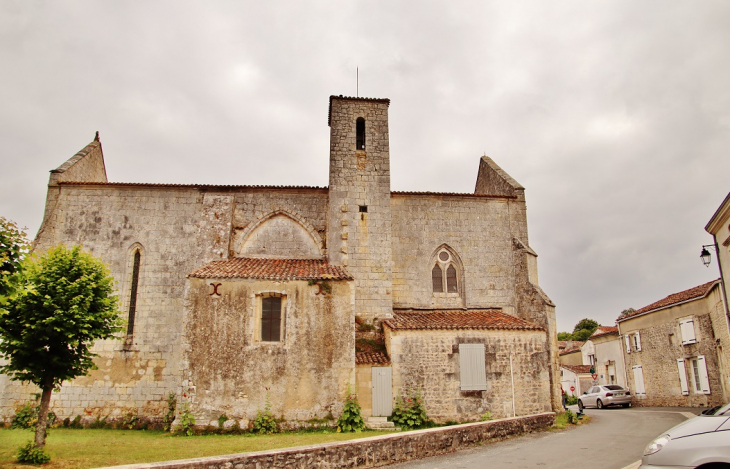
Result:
670,349
603,352
242,297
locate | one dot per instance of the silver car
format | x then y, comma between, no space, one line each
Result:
604,396
703,441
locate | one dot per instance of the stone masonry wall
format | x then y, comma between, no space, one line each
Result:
228,370
476,228
369,452
661,346
307,205
178,230
358,239
429,361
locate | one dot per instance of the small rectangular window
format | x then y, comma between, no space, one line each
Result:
363,209
271,319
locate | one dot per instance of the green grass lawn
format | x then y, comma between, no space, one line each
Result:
94,448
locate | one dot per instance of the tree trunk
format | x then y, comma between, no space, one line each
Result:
40,428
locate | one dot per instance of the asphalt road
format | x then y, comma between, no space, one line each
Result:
613,439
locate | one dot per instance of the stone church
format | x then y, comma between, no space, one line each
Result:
236,296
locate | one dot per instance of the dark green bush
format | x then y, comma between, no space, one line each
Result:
351,418
409,412
31,454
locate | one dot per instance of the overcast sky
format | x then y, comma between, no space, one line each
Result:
615,115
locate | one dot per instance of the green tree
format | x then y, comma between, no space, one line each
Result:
64,302
13,248
584,329
586,323
564,336
626,312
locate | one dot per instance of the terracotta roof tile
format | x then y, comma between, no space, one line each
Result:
457,319
371,358
577,344
272,269
674,298
578,368
193,186
604,330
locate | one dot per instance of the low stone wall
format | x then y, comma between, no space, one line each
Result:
369,452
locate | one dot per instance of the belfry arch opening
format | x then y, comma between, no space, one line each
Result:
360,133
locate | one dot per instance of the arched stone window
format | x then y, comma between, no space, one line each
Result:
451,282
446,272
437,276
360,132
133,287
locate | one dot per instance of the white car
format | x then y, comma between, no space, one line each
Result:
702,442
604,396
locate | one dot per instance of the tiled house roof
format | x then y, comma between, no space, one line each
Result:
675,298
577,344
457,319
272,269
604,330
371,358
578,368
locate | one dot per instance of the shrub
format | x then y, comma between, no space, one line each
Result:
31,454
351,418
76,422
187,421
570,417
98,423
222,419
130,420
409,412
25,417
486,416
170,414
571,400
265,421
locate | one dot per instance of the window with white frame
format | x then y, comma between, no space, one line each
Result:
687,331
633,342
698,374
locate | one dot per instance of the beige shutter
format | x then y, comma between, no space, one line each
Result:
638,341
704,380
628,343
472,367
687,329
682,376
639,380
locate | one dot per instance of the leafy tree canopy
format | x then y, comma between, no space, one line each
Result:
64,302
564,336
626,312
587,324
13,248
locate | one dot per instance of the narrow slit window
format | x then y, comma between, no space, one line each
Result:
271,319
133,294
360,132
451,285
437,275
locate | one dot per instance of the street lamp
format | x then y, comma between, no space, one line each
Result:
705,254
